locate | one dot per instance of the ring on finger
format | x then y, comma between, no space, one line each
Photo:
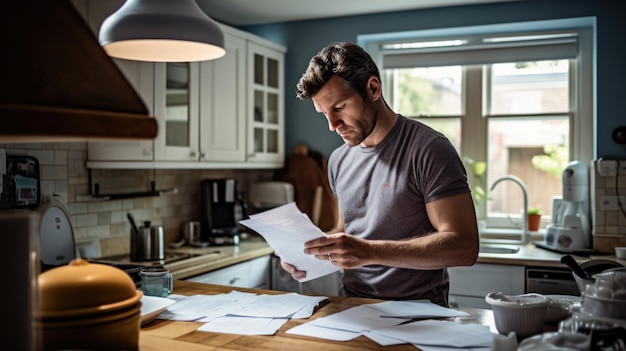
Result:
330,257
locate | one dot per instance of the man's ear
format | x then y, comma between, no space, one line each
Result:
374,88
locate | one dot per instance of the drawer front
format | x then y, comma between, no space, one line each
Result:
480,279
236,275
259,273
254,273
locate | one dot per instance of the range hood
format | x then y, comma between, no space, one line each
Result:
58,84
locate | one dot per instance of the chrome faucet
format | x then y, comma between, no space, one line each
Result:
519,182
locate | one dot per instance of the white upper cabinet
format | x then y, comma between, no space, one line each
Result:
223,107
223,113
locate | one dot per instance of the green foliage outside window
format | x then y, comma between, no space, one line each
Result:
553,161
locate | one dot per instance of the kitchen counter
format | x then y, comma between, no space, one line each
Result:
530,255
162,335
211,258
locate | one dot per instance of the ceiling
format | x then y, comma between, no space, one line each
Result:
246,12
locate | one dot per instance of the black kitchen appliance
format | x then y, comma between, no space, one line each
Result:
218,217
19,183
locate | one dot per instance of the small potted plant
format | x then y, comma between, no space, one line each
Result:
534,218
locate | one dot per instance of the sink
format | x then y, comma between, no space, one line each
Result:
498,249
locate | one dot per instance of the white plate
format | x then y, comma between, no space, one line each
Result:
152,306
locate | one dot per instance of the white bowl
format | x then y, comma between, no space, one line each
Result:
524,314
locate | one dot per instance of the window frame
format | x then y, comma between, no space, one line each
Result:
474,117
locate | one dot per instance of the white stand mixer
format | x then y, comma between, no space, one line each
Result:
571,227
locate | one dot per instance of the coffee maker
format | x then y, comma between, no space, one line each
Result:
218,221
571,224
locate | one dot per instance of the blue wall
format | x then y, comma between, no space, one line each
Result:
305,38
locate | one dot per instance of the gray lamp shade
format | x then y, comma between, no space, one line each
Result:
161,31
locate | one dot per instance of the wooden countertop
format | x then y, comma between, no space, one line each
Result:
161,335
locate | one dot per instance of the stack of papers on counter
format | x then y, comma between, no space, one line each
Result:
241,313
387,323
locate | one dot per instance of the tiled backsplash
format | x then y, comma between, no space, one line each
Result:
100,226
608,181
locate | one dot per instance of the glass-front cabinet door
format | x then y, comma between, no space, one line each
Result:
265,121
176,86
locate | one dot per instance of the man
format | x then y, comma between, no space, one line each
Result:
406,212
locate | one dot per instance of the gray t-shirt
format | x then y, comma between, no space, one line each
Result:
383,191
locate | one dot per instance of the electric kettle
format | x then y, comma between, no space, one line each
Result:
146,243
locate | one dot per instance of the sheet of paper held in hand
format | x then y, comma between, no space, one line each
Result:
286,229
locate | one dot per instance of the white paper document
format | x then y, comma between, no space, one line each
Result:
345,325
307,329
413,309
386,324
243,325
286,229
438,333
236,303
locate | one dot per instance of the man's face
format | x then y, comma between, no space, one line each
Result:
346,111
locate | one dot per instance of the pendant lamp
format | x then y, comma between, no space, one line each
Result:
161,31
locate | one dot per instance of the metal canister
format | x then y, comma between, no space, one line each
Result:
191,231
147,243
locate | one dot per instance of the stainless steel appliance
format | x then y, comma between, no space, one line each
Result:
192,231
561,281
218,212
547,281
146,243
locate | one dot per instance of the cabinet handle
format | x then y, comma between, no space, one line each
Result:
202,156
234,280
193,154
147,152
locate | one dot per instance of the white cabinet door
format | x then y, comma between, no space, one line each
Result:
265,104
176,108
259,273
222,104
250,274
469,285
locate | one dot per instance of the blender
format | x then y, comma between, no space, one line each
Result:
571,227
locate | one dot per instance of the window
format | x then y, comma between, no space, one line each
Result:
521,103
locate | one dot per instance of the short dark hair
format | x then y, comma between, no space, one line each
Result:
347,60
